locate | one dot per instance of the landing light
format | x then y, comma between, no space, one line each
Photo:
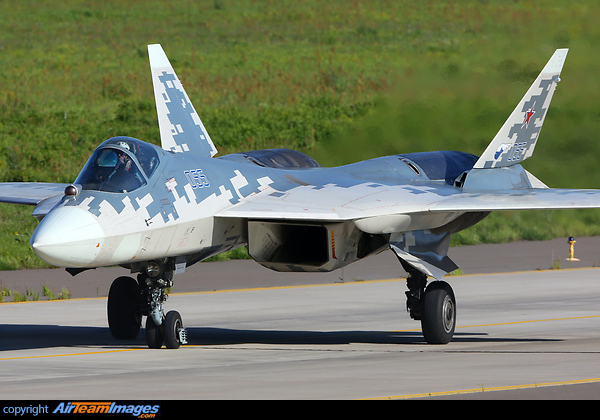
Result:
153,269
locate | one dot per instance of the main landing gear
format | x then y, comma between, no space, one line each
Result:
434,306
130,299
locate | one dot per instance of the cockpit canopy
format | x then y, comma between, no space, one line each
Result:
120,164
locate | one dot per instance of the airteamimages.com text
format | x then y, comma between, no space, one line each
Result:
76,408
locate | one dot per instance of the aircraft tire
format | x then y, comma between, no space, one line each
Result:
439,313
171,325
154,336
124,318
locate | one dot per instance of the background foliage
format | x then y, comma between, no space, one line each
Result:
341,80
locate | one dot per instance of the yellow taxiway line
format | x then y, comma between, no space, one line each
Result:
490,389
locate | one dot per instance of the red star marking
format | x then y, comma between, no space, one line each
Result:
528,114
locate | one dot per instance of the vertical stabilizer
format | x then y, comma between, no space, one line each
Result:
180,127
516,139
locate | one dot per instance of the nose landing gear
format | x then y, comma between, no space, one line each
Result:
129,300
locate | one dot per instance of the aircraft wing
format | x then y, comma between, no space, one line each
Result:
43,195
528,199
29,193
338,204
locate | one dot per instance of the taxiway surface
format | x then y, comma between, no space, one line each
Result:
520,334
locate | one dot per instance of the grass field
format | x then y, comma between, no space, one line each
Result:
339,80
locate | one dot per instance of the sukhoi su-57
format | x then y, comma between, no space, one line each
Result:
157,210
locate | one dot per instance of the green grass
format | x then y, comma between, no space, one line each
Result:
340,80
33,295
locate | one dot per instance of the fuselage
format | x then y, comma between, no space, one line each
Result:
162,204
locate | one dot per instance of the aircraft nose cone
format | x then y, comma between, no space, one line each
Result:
68,237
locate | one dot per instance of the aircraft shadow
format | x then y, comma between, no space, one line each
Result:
223,336
23,337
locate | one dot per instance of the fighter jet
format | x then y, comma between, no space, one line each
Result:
157,210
